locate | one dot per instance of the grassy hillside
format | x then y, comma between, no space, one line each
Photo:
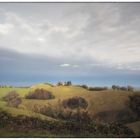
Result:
99,101
102,105
21,110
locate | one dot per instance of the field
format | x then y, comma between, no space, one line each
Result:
104,106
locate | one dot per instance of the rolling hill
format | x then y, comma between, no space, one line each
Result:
105,106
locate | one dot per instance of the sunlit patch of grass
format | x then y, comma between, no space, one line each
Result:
22,91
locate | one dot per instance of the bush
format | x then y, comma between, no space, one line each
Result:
75,128
12,99
52,111
113,87
59,112
126,116
68,83
40,94
97,88
43,109
134,104
63,114
119,130
60,84
84,86
75,102
123,88
128,88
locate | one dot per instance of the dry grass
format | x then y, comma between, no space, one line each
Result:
135,127
98,101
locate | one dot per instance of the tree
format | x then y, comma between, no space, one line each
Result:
59,83
13,99
68,83
113,87
84,86
130,88
134,104
40,94
123,88
75,102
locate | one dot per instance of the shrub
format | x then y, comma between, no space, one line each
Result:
130,88
12,99
43,109
75,102
113,87
40,94
119,130
126,116
123,88
134,104
64,114
75,128
68,83
84,86
97,88
80,116
47,110
60,84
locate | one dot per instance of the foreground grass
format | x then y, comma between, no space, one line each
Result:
4,133
135,126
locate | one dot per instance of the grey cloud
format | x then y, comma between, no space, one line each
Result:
99,38
96,26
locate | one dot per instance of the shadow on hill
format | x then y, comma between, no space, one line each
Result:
123,116
75,128
130,113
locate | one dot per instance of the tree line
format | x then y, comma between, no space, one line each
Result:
126,88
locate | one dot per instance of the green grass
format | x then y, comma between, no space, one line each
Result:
22,109
46,134
31,134
21,91
98,101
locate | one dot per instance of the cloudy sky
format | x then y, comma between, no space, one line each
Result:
91,43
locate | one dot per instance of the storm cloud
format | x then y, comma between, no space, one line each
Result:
83,42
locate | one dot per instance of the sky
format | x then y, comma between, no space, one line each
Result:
86,43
